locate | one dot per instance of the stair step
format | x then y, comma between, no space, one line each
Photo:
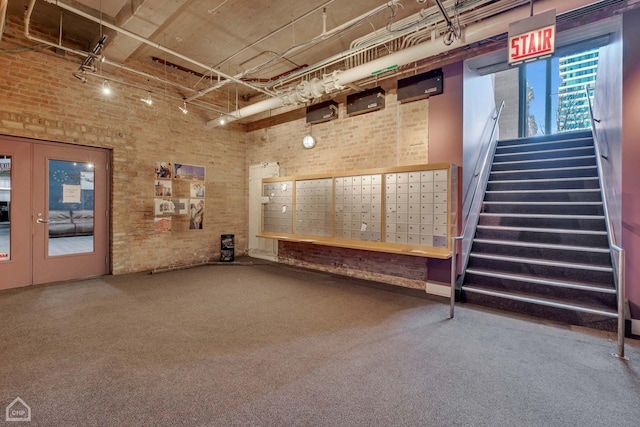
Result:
544,184
549,154
552,208
586,222
575,142
547,301
543,245
507,215
563,136
546,203
558,190
589,238
544,230
544,163
566,179
544,195
546,282
544,262
557,172
554,252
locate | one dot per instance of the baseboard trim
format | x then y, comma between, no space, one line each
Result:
635,327
439,290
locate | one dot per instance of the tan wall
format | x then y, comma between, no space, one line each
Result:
398,135
40,99
394,136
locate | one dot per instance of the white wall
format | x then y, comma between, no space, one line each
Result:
608,109
478,112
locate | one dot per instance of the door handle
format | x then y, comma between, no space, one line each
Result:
42,221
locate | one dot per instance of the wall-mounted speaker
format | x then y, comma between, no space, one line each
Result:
322,112
365,101
420,86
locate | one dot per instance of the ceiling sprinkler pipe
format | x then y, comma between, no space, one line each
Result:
154,44
337,80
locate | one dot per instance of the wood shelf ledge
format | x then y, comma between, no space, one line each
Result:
394,248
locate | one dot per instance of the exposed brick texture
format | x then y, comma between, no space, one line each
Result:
40,99
398,135
400,270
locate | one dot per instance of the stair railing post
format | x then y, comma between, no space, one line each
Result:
454,270
454,273
620,265
621,305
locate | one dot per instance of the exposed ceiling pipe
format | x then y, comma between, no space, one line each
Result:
338,80
382,37
274,32
29,36
3,15
323,36
445,15
154,45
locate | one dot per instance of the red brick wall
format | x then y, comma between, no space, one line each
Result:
40,99
400,270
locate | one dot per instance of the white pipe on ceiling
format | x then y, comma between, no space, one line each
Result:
155,45
29,36
338,80
3,15
321,37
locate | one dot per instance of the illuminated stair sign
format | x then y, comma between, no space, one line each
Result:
532,38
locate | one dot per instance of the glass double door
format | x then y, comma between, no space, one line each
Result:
53,212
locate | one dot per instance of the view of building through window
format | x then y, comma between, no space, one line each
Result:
555,98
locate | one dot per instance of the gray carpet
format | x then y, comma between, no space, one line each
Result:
272,345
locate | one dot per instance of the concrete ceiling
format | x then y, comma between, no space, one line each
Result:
230,35
253,41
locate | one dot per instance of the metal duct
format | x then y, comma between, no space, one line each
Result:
338,80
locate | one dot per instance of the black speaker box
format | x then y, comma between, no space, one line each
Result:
420,86
365,101
322,112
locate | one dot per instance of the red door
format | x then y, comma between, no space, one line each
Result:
58,225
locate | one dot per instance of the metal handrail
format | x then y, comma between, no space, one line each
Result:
470,225
619,262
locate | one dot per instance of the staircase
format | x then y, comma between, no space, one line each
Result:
541,244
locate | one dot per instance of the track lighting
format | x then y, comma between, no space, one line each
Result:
184,107
80,75
106,88
148,99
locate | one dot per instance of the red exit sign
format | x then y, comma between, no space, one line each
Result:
532,38
532,45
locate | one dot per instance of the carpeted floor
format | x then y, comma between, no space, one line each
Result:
271,345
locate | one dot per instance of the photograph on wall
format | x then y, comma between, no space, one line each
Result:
163,187
197,190
163,207
164,170
196,214
194,173
180,206
162,224
86,180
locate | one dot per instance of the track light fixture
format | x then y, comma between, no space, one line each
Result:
87,64
184,107
148,99
106,88
80,75
222,121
